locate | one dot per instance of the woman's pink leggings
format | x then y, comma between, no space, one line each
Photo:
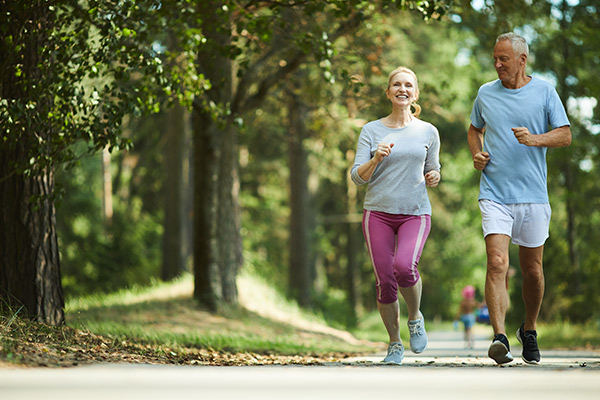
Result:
395,243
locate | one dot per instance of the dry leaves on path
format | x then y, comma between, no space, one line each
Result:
29,344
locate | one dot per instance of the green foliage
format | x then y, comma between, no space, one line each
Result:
70,72
98,256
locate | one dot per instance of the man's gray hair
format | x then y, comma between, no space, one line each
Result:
519,44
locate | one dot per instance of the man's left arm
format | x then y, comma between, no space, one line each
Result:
558,137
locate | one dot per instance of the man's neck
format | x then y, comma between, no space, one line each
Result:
517,82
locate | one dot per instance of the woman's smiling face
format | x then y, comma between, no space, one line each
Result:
402,89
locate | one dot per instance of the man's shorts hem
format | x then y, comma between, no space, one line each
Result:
517,242
515,221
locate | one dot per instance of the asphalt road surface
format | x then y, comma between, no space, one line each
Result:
445,371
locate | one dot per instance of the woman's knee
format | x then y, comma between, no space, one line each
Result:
406,272
409,279
387,292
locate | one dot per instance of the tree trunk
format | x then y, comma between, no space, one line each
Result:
569,170
107,190
301,269
29,258
174,237
217,240
207,152
228,228
572,235
354,243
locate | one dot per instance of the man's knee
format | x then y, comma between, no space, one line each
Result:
533,273
497,254
497,263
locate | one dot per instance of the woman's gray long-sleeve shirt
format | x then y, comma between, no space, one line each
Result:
397,185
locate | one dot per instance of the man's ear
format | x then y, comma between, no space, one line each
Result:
523,58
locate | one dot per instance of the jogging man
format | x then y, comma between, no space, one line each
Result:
513,122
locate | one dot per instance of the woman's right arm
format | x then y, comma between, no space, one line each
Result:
366,170
365,164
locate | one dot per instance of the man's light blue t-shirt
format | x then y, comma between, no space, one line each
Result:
516,173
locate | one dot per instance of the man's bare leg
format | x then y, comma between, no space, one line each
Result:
496,293
531,260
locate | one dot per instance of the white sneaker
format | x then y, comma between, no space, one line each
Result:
395,353
418,336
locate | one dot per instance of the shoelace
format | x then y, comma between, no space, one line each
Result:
395,348
529,341
415,329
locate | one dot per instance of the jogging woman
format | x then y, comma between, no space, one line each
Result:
398,157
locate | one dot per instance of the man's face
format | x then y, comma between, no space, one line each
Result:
508,64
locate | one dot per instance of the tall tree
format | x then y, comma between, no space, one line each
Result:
176,189
69,72
29,265
301,273
217,245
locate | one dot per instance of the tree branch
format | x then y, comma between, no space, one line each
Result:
242,104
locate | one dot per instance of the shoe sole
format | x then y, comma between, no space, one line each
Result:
499,353
530,362
419,351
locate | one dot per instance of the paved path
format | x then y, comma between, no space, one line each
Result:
446,349
444,371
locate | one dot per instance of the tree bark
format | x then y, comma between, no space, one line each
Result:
29,257
174,240
301,269
207,151
217,240
29,262
353,231
569,170
107,190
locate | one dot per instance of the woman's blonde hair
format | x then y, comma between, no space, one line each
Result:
411,73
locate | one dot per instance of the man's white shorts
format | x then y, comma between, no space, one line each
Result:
527,223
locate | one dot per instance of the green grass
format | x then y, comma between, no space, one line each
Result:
164,319
166,315
567,335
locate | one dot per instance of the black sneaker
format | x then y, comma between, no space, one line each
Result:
531,352
499,350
